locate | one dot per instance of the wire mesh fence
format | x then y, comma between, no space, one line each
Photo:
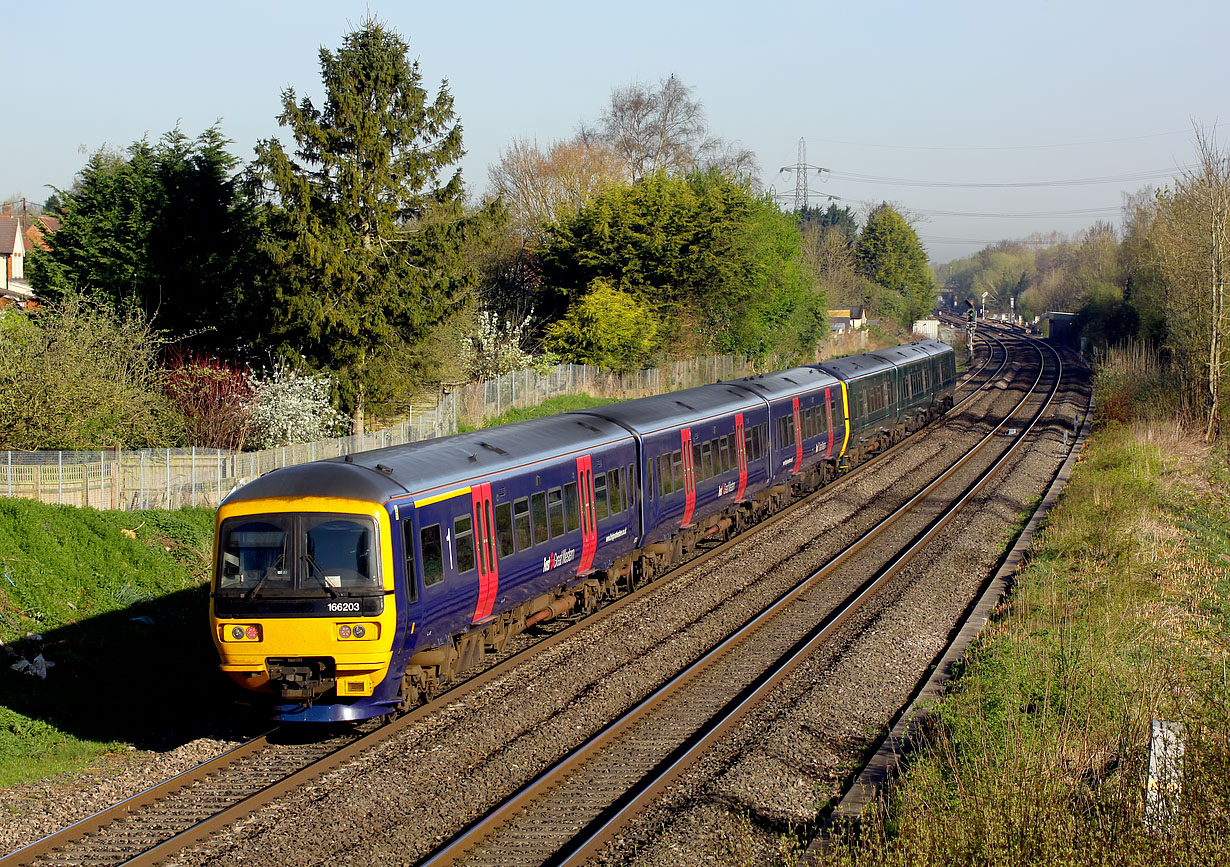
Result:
171,478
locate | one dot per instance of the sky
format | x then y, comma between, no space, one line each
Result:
928,106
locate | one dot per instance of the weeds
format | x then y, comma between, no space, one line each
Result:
1038,754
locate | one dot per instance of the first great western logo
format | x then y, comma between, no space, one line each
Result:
565,556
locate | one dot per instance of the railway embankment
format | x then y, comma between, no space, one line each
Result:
1041,750
105,644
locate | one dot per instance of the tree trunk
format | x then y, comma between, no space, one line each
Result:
356,420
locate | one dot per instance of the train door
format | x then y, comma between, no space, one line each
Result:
485,551
798,437
589,517
740,456
689,477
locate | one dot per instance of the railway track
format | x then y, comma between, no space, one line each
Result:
153,825
566,815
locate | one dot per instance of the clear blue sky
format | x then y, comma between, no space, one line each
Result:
965,92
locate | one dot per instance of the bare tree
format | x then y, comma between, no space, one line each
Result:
539,186
665,129
1191,238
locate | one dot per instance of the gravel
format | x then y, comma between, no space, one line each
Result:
397,801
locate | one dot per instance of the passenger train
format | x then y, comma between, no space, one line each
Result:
358,586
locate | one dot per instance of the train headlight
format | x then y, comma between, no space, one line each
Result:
358,631
250,632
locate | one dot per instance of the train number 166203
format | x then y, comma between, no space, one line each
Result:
343,606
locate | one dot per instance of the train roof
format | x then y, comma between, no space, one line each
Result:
903,354
933,347
415,468
786,383
645,415
856,366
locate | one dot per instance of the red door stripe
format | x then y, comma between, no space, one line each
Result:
589,518
798,438
741,451
485,549
689,477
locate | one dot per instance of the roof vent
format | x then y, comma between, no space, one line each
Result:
588,426
349,459
388,471
496,449
685,406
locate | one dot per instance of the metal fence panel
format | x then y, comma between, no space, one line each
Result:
171,478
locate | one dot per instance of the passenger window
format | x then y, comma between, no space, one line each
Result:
600,504
433,555
463,541
706,454
617,491
631,477
571,514
724,453
538,505
407,544
504,529
677,470
521,523
555,508
697,464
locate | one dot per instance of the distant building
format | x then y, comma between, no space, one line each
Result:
12,250
1061,328
842,319
928,329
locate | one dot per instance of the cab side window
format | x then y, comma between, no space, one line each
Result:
407,546
433,555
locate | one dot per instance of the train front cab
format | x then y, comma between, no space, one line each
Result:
302,606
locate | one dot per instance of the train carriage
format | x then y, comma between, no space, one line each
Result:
871,402
807,423
351,587
702,451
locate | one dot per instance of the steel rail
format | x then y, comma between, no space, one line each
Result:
247,805
96,821
607,824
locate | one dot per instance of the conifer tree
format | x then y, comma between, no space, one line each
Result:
366,238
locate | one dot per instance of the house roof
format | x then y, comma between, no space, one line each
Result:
10,227
38,228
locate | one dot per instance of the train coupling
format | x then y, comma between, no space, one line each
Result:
302,678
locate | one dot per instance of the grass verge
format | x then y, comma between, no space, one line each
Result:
1038,754
116,602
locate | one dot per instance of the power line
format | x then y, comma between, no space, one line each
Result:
1004,147
1155,174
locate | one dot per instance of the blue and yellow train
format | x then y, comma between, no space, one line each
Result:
356,586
